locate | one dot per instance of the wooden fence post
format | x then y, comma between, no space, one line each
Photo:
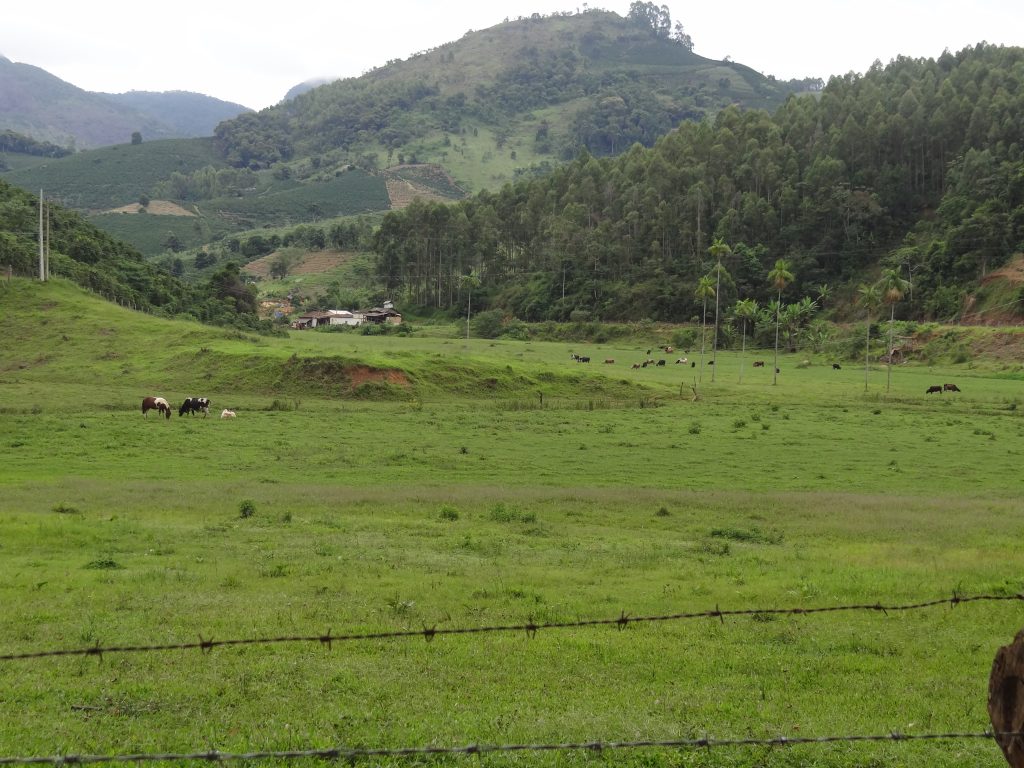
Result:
1006,699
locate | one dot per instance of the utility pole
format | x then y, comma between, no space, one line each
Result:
42,265
47,253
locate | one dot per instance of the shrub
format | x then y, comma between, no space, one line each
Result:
488,324
448,512
247,508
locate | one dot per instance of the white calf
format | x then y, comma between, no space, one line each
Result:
226,414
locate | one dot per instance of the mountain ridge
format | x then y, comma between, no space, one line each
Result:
40,105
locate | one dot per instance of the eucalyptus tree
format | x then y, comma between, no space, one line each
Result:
869,298
746,311
705,290
718,249
779,277
469,282
892,287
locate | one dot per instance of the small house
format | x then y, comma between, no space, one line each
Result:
385,314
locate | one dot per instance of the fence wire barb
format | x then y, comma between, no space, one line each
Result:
346,753
530,628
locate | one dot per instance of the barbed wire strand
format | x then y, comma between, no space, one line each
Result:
530,628
346,753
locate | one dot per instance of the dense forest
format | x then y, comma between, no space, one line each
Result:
915,166
84,254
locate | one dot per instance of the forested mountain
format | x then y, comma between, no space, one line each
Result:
916,165
39,105
542,87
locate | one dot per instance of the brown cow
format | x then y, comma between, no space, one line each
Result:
609,360
950,388
759,363
933,390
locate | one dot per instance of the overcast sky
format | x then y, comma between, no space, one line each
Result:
252,52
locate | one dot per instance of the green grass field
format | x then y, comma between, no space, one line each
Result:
402,483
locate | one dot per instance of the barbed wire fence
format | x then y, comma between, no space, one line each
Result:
344,753
531,628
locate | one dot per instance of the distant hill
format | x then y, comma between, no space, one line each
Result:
189,115
502,101
42,106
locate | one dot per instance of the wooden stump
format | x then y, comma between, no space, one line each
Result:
1006,699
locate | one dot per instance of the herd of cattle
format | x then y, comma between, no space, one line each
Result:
192,405
757,364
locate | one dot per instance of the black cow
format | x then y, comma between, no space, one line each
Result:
759,363
950,388
193,404
932,390
836,367
661,362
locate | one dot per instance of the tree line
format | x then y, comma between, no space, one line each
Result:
915,166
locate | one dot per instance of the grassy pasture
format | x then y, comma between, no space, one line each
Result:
454,499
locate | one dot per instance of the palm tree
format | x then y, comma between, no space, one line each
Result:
470,281
779,277
746,310
705,289
718,249
869,298
892,287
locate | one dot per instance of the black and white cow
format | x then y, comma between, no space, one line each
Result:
193,404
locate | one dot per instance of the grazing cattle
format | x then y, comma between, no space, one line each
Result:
681,361
226,414
582,359
932,390
661,362
609,360
836,367
193,404
149,403
778,371
759,363
637,366
693,363
950,388
574,356
711,362
669,350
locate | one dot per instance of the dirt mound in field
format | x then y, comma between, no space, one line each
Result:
337,377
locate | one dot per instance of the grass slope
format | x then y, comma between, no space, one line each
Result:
467,506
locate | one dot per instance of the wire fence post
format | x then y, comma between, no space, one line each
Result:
1006,700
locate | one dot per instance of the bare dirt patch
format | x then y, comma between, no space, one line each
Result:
155,208
360,374
1011,273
